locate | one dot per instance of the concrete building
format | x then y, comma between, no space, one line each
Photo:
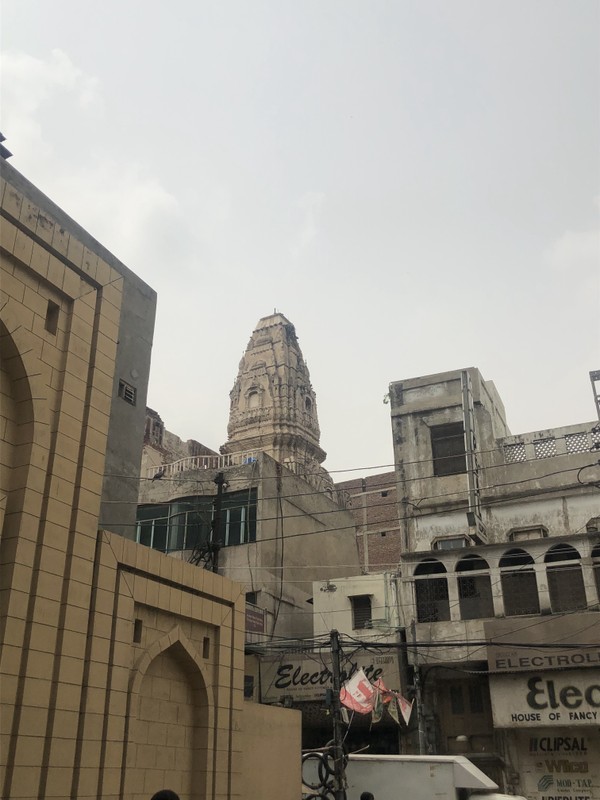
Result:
121,669
500,542
283,523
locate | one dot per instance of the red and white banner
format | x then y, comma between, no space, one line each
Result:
364,697
358,693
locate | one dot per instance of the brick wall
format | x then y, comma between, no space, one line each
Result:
375,511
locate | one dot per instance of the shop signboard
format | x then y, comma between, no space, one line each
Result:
559,763
303,677
255,619
546,699
543,644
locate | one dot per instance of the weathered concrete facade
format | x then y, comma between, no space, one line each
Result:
525,481
495,527
284,524
286,532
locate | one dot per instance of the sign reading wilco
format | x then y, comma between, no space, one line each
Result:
304,678
542,699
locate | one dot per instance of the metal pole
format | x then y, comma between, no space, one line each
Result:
215,542
338,739
418,693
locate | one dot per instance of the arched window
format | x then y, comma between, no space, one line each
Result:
431,592
596,563
308,405
519,584
565,580
253,399
474,590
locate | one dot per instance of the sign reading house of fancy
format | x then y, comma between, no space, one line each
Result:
546,699
307,678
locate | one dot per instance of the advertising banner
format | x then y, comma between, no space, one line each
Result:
559,764
304,677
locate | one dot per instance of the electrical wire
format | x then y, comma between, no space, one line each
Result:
351,525
594,432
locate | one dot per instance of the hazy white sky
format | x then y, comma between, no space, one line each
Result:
415,185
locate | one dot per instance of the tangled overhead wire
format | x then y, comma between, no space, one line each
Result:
588,483
318,774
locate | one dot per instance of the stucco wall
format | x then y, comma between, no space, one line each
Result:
302,534
271,753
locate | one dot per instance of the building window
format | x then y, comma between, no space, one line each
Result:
474,591
519,584
128,392
466,698
361,611
525,534
187,522
252,597
238,518
431,593
52,314
596,565
448,449
450,543
565,580
248,687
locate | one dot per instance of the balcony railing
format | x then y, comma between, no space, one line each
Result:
533,446
201,463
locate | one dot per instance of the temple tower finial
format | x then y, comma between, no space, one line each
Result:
273,405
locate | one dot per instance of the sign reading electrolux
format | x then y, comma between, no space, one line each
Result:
532,647
546,699
305,678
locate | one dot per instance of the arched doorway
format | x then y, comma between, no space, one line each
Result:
169,736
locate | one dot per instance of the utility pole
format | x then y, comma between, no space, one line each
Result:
418,693
215,532
338,739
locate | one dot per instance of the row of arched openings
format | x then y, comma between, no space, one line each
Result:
517,580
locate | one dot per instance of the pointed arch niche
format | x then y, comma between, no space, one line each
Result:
19,414
170,723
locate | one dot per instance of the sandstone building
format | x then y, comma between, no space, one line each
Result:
121,669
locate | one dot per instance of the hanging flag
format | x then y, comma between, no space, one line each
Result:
405,707
386,695
393,709
377,705
358,693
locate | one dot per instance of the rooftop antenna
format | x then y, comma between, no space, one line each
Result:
4,151
595,379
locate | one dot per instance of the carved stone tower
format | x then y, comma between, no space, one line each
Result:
273,405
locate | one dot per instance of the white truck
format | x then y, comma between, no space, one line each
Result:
411,778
